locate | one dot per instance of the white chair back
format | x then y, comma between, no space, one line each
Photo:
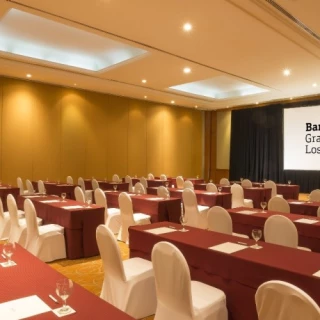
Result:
225,182
4,223
128,179
237,196
29,187
188,184
13,210
116,178
20,185
190,206
32,226
279,204
81,184
126,213
41,187
101,200
69,180
17,233
150,176
163,177
95,184
179,182
279,300
144,182
173,292
163,192
315,195
219,220
211,187
318,212
79,195
246,183
281,230
139,188
273,186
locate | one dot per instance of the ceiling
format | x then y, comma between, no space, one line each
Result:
233,44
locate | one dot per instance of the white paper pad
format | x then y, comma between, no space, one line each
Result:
3,188
228,247
161,230
210,192
154,199
317,274
56,312
31,196
6,265
23,308
49,201
296,202
247,212
180,190
72,207
308,221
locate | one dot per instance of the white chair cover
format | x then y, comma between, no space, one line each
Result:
225,182
197,216
128,285
79,195
279,204
318,212
116,178
20,186
246,183
30,187
150,176
87,193
112,217
95,184
273,186
128,179
163,192
279,300
144,182
163,177
69,180
315,195
179,297
139,188
188,184
4,223
238,198
179,182
128,218
211,187
41,187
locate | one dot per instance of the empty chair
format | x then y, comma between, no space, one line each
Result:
30,187
315,195
4,223
196,215
69,180
178,297
279,204
211,187
163,192
111,215
128,218
282,231
273,186
150,176
246,183
129,284
188,184
41,187
20,186
144,182
95,184
219,220
224,182
128,179
279,300
163,177
87,193
79,195
139,188
179,182
116,178
238,198
45,242
318,212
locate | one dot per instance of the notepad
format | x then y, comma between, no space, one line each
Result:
154,199
210,193
49,201
317,274
161,230
57,313
72,207
228,247
296,202
31,196
308,221
247,212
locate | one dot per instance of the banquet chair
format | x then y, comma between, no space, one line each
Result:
178,297
128,179
197,215
30,187
20,186
150,176
188,184
219,220
79,195
163,177
95,184
111,215
87,193
224,182
273,186
116,178
318,212
139,188
45,242
18,231
279,300
238,198
163,192
315,195
211,187
41,187
128,218
246,183
179,182
69,180
129,284
282,231
4,223
144,182
279,204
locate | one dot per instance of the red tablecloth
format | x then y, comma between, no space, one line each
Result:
289,191
309,234
80,224
54,188
304,207
33,277
159,209
4,191
107,185
238,274
204,198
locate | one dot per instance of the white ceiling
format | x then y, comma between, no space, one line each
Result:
240,41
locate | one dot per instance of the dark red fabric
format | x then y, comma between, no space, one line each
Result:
54,188
304,207
107,185
33,277
238,274
289,191
4,191
80,224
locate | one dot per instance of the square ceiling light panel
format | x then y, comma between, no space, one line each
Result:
31,36
221,87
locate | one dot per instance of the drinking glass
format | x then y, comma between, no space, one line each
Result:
263,205
115,186
167,184
219,189
138,192
168,195
289,182
197,176
264,180
183,221
256,235
63,196
44,192
210,180
261,185
8,249
241,179
64,289
88,202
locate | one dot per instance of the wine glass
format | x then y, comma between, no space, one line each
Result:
167,184
8,249
64,289
63,196
219,189
168,195
263,205
115,186
88,202
261,185
289,182
183,220
256,235
264,180
138,192
197,176
210,180
241,179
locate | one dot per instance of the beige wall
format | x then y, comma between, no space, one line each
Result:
51,132
223,139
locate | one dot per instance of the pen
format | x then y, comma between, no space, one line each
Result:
53,298
245,244
3,256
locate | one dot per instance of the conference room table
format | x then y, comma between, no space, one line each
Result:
30,277
158,208
6,189
107,185
79,222
204,198
309,208
152,182
57,188
246,219
238,274
289,191
195,181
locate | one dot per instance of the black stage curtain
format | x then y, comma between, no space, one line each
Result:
257,147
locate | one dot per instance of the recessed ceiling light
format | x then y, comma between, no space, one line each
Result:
29,75
186,70
290,98
196,107
286,72
187,26
257,102
172,101
145,97
227,107
314,84
144,81
75,84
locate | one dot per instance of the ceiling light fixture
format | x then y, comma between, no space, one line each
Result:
196,107
187,26
144,81
145,97
286,72
315,84
75,84
172,101
186,70
257,102
29,75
